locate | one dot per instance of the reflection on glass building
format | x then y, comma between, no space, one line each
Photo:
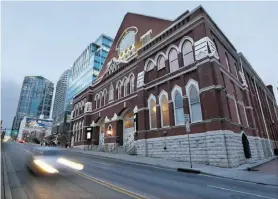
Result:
87,67
35,99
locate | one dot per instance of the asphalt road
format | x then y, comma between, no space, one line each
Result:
127,180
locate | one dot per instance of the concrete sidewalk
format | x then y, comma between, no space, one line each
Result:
239,173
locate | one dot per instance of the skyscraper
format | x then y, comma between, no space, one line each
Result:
35,99
87,67
60,96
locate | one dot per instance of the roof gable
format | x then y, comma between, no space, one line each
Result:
143,24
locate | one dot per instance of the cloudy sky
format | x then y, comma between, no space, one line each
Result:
44,38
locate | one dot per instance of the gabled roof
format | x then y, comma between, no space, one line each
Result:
143,23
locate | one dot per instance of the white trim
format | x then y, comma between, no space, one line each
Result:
237,113
163,93
144,35
247,123
123,33
157,56
170,48
182,41
266,129
268,107
188,86
135,110
175,89
275,111
151,97
147,63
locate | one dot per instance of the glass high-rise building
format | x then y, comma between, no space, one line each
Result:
60,97
87,67
35,99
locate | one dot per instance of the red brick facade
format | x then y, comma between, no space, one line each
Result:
226,102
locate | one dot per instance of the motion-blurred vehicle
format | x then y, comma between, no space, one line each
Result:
49,161
21,141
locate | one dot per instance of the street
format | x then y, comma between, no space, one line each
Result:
107,178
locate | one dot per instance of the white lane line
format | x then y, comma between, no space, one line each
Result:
260,196
100,163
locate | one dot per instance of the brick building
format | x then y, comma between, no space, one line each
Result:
158,70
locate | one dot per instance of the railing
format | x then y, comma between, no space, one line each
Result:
130,147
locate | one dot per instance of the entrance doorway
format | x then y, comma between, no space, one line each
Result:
246,146
128,128
101,134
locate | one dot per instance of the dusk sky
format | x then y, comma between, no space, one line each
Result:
45,38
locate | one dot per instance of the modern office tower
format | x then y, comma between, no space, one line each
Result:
60,97
35,99
87,67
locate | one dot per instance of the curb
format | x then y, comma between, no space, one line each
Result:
6,183
185,170
260,183
259,164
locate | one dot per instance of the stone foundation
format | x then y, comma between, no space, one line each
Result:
216,148
108,147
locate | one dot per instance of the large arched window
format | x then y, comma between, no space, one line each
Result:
192,92
111,93
119,89
164,109
125,83
178,106
160,62
227,62
187,52
173,60
131,83
152,112
82,131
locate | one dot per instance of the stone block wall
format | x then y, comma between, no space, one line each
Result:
108,147
216,148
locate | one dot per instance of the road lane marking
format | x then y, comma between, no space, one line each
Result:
111,186
260,196
100,162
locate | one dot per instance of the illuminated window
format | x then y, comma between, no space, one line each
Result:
164,108
152,112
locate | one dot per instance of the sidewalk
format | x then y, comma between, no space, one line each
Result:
230,173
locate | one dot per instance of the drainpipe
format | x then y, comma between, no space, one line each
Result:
263,116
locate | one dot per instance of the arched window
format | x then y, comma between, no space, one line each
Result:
111,93
187,52
131,82
178,107
96,99
173,60
150,66
164,108
160,62
104,96
152,112
82,131
100,99
73,131
125,87
119,89
194,104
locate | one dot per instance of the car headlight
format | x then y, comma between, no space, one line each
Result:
45,167
70,164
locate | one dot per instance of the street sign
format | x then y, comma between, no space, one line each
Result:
89,133
187,120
